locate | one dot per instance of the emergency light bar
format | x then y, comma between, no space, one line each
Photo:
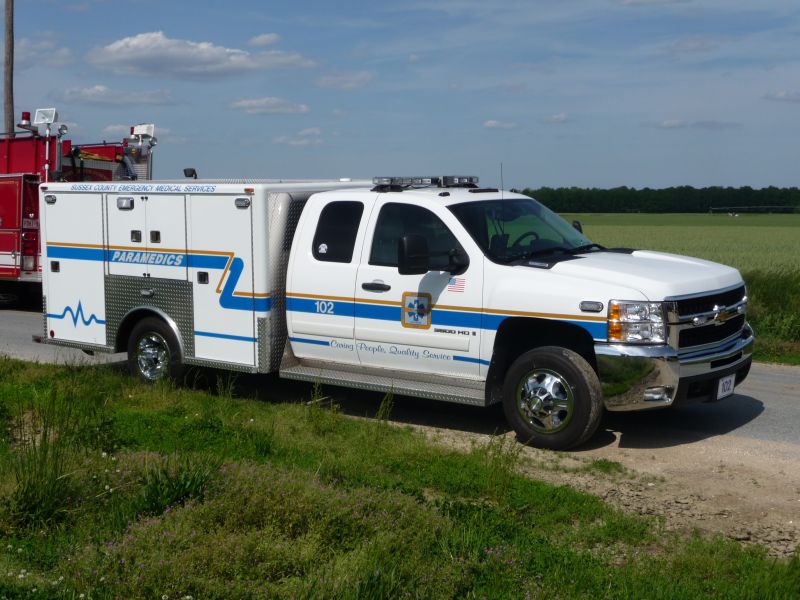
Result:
443,181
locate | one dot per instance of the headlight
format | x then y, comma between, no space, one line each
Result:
636,322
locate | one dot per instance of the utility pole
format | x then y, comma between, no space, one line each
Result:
8,88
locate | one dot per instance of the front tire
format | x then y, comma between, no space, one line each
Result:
552,398
153,351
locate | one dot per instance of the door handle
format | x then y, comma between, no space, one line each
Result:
148,292
375,286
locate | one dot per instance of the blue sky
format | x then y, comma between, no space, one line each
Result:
590,93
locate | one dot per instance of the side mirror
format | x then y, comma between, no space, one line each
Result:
190,173
412,255
577,225
459,261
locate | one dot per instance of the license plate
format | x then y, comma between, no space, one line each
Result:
725,387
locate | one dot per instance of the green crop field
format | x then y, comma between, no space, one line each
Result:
767,243
765,248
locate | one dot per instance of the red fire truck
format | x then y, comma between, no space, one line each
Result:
36,153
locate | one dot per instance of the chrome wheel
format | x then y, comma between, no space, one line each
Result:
152,356
545,401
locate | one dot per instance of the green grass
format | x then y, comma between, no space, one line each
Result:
208,495
765,249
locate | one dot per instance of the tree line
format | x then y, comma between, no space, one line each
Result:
682,199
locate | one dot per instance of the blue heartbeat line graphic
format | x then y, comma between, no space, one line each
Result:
77,314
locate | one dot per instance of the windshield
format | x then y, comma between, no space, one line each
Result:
514,229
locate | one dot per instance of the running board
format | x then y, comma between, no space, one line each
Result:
447,392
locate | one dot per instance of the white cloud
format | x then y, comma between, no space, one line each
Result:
42,51
345,81
783,96
154,54
265,39
557,119
305,137
269,106
101,95
492,124
708,125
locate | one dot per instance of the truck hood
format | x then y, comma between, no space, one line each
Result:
657,275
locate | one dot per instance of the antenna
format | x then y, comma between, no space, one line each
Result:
502,187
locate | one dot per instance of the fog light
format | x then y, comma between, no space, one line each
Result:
658,394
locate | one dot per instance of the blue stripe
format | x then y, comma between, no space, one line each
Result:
307,341
228,300
379,311
450,318
453,318
469,359
306,305
76,253
207,261
226,336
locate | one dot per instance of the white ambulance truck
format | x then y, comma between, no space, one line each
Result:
430,287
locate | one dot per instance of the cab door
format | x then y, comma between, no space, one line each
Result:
425,323
321,279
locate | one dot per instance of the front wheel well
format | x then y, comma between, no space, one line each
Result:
517,335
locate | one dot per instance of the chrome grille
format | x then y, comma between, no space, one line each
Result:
703,304
700,336
696,322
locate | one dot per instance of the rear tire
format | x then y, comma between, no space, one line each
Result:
153,351
552,398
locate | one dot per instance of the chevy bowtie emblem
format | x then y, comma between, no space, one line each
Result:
722,314
718,316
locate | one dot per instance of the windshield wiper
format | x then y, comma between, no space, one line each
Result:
541,252
555,250
586,248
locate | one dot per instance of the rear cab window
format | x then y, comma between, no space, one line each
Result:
335,238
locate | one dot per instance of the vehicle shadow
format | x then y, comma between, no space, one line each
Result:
646,429
361,403
675,426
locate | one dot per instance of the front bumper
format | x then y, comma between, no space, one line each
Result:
647,377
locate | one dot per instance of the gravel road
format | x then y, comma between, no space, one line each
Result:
732,467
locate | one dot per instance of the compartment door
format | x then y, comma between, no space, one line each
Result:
10,207
221,272
73,269
127,248
165,236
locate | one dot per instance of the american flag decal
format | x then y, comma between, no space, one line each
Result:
456,284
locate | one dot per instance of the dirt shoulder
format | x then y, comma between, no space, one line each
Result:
747,490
